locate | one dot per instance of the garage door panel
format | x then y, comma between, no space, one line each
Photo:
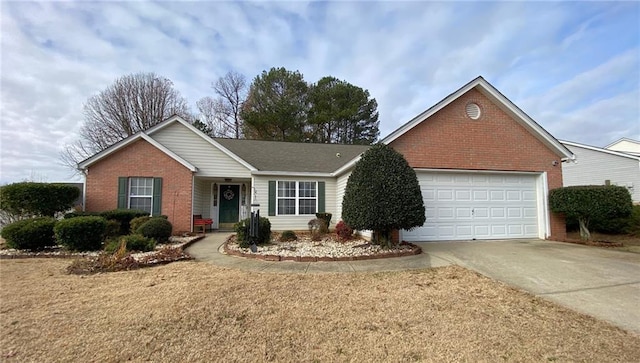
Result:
481,195
481,213
514,195
463,195
463,206
497,195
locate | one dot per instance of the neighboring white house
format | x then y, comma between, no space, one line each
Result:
598,166
625,145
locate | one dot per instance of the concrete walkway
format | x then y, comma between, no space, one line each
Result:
208,250
595,281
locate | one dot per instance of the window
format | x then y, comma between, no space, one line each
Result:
294,198
141,194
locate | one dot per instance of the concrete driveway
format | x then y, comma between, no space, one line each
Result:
595,281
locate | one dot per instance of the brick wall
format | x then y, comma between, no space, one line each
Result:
451,140
142,159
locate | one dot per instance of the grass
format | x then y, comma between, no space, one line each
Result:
193,311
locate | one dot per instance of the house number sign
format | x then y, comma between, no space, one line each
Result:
228,194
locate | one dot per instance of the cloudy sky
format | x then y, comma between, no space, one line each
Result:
574,67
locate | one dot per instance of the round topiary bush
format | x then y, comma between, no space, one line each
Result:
133,242
157,228
81,233
30,234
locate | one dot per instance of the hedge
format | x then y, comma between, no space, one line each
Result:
30,234
37,199
81,233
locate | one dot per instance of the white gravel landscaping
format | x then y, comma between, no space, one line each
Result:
175,242
327,247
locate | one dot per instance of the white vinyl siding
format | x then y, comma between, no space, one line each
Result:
596,167
292,222
210,161
471,205
341,187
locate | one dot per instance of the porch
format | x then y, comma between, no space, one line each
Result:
224,200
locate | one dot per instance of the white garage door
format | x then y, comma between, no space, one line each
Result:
466,206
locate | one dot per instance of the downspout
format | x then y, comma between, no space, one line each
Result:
193,189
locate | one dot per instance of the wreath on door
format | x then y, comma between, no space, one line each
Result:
228,194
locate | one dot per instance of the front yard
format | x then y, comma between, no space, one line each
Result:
193,311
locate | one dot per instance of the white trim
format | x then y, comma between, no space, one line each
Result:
220,200
83,165
488,90
347,166
477,171
297,197
202,135
293,173
544,216
595,148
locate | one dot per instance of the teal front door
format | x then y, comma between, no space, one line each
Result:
229,203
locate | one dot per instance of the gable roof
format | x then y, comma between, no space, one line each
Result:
501,101
621,140
278,156
207,138
598,149
128,141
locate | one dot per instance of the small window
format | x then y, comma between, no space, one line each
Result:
473,111
141,194
296,198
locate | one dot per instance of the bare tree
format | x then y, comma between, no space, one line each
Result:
131,104
222,114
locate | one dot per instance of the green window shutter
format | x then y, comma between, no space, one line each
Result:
156,209
123,183
321,197
272,197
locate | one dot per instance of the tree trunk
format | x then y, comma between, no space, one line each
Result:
584,229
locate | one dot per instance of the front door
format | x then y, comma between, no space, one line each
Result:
229,203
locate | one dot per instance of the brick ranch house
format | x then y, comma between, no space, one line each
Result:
485,168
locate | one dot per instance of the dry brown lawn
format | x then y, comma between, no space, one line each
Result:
193,311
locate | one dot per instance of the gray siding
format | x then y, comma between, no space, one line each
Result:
296,223
595,167
210,161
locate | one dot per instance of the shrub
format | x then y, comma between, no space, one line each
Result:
112,229
124,216
157,228
315,225
288,236
383,194
326,218
81,233
590,203
82,214
343,231
242,232
132,242
137,222
37,199
633,226
30,234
